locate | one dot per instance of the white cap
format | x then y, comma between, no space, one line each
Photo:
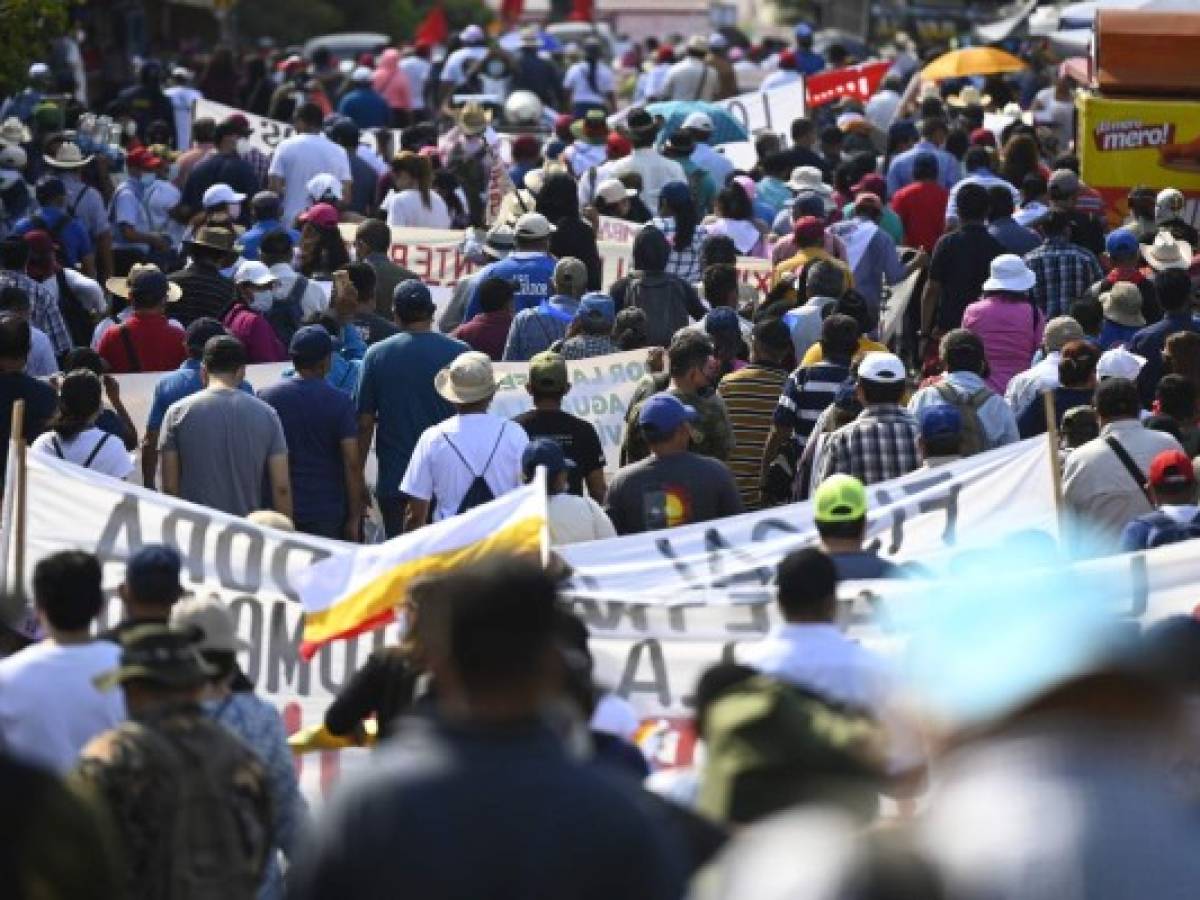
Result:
718,41
324,185
612,190
886,368
1119,363
472,34
533,226
362,73
701,121
255,273
39,70
221,193
12,157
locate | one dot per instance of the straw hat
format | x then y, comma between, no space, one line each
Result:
119,287
468,379
1123,304
473,118
67,156
1167,252
970,96
12,131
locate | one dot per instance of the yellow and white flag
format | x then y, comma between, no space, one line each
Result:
350,593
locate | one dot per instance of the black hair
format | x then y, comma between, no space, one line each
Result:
807,581
14,254
712,683
224,354
66,588
925,167
362,276
957,142
495,294
972,202
682,208
375,234
1166,425
962,351
1176,397
1117,398
839,336
734,203
204,131
943,444
689,348
720,281
278,244
1033,186
881,392
718,248
79,399
802,128
1077,363
1174,289
502,617
825,279
14,299
1056,222
629,329
1088,312
84,358
1000,202
15,337
309,115
852,304
932,127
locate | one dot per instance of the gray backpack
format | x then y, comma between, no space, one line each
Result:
663,298
974,438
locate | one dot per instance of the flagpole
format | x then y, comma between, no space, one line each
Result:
1055,469
12,537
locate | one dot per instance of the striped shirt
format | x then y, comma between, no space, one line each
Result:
806,394
206,292
750,395
879,445
587,346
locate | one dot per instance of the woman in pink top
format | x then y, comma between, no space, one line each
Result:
391,83
1006,320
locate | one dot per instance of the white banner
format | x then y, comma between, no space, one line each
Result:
267,134
772,110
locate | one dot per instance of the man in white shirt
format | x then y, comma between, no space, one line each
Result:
572,518
881,109
811,652
304,155
182,96
416,65
49,707
700,124
692,78
1026,387
41,360
460,62
654,168
276,251
1102,490
471,457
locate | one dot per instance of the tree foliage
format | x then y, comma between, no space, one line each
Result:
27,28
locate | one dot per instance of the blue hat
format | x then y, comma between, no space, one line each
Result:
412,297
722,319
597,305
940,420
662,414
152,574
809,203
803,30
544,452
675,193
310,344
1121,242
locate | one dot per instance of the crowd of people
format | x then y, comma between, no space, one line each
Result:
1017,308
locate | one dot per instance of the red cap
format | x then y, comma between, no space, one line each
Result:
526,145
1172,469
870,184
809,231
787,60
982,137
665,54
42,263
321,214
142,158
617,145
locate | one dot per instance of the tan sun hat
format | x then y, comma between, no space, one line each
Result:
1123,304
473,118
67,156
468,379
120,286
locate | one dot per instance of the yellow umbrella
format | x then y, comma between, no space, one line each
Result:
971,61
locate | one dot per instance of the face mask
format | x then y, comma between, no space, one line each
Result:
279,292
262,300
235,210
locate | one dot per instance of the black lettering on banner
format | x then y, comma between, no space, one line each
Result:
657,683
602,616
721,551
193,550
124,521
253,559
283,664
252,609
349,665
948,502
763,530
760,620
279,564
883,498
663,546
738,111
675,615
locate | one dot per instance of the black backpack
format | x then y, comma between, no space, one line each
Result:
75,315
285,315
479,492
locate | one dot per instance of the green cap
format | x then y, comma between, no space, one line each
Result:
840,498
548,372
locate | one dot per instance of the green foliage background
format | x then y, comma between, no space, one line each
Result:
26,29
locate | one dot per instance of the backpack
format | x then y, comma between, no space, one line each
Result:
664,301
974,438
220,833
285,315
75,315
479,492
771,745
1164,530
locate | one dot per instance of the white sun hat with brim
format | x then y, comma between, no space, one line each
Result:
1009,273
468,379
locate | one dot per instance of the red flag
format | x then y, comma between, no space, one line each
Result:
859,82
510,11
582,11
434,29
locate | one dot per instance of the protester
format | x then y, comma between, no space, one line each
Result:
940,442
56,673
1012,235
72,435
413,203
220,446
549,382
593,331
921,205
147,341
470,458
1063,269
1171,486
246,318
305,154
372,241
1007,324
1074,386
672,486
655,170
669,302
295,295
1122,305
44,312
1174,290
225,169
41,361
1026,386
537,328
530,265
571,518
488,330
170,771
266,209
70,238
205,291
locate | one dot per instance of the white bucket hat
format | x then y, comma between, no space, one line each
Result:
1009,273
808,178
1167,252
468,379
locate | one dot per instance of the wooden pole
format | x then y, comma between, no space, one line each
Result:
18,446
1052,437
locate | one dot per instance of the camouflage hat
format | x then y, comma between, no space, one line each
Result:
158,654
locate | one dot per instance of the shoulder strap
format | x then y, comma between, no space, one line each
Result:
87,463
127,339
487,465
1130,466
979,398
78,199
58,450
458,453
299,286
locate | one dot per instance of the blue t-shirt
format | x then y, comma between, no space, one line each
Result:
397,387
173,387
73,237
254,235
367,108
532,271
316,418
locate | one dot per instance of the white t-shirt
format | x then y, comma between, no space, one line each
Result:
182,97
457,64
778,79
406,209
41,361
49,708
575,519
576,81
1059,115
417,69
86,290
313,300
435,469
299,158
160,198
110,459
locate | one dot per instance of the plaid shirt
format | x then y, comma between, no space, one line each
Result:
534,330
44,311
880,444
684,263
586,346
1064,273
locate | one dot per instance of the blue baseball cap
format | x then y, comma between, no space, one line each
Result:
722,319
310,344
675,192
940,420
803,30
662,414
597,305
1121,242
152,574
411,297
544,452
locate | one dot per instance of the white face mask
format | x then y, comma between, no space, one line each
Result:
235,210
243,146
261,301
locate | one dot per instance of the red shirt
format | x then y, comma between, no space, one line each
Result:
157,345
921,207
486,333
